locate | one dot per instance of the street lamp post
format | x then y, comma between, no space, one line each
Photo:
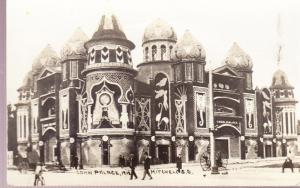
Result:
214,168
80,148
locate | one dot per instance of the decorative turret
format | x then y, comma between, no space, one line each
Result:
189,56
281,86
47,58
109,77
73,56
109,46
285,106
188,49
25,89
158,41
240,61
280,80
74,47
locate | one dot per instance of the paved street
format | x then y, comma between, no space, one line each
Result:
238,174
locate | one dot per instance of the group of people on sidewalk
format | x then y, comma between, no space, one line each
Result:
133,164
147,163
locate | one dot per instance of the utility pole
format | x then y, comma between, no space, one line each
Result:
214,168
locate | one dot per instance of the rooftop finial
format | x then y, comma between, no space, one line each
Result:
108,10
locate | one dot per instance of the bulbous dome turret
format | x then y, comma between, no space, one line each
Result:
280,80
238,59
109,30
159,30
188,49
74,47
47,58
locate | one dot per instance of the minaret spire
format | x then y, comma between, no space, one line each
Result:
280,41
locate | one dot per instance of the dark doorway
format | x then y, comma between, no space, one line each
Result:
163,153
221,145
50,146
284,152
105,151
268,150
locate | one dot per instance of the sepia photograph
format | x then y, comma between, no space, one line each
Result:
152,93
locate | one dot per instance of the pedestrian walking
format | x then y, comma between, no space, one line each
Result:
219,159
146,166
75,162
39,179
288,163
132,165
179,163
121,161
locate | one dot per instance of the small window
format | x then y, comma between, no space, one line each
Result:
125,56
63,119
34,125
277,93
67,120
163,51
146,54
154,52
25,126
171,48
74,69
112,56
98,56
64,71
20,126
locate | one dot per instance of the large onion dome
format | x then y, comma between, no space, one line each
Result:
188,49
74,47
280,80
238,59
109,29
159,30
47,58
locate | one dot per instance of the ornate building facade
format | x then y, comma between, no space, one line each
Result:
92,103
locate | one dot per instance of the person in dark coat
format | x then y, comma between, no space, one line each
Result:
75,162
147,162
132,165
219,159
121,161
179,163
288,163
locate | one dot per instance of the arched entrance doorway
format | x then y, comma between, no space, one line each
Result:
163,150
50,142
227,141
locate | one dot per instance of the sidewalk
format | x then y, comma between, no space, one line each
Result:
232,164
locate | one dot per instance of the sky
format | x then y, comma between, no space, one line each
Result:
32,24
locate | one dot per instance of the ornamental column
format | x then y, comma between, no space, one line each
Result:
124,116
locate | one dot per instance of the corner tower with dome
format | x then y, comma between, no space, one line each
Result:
285,124
91,104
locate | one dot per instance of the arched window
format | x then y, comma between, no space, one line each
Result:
146,54
25,126
67,120
34,125
163,51
20,126
64,74
154,52
171,48
62,119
